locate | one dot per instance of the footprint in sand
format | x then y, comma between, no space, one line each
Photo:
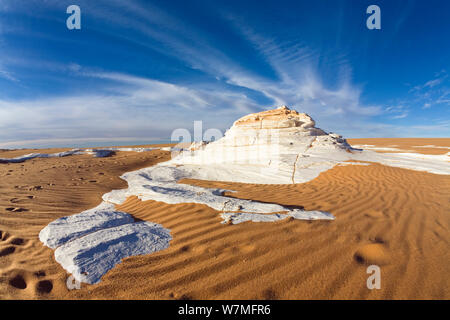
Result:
185,248
374,253
269,294
6,251
18,282
18,241
378,239
24,279
18,200
3,235
16,209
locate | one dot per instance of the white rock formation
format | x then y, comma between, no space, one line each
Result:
160,183
239,217
278,146
97,153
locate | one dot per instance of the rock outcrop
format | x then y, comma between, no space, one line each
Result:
282,117
275,142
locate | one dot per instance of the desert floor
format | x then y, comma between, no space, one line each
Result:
396,218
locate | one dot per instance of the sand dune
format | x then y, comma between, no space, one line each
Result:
393,217
36,192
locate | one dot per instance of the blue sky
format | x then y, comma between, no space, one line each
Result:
137,70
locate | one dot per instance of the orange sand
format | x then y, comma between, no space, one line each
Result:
407,144
395,218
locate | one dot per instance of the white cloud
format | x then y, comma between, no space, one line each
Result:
433,83
397,111
299,85
139,108
67,142
440,77
400,116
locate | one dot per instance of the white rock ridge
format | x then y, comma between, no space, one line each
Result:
239,217
282,146
160,183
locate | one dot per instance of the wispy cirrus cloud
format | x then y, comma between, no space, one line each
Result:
138,108
283,69
440,77
299,83
433,93
397,111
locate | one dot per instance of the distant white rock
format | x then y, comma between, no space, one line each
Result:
124,149
41,155
431,146
279,146
97,153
